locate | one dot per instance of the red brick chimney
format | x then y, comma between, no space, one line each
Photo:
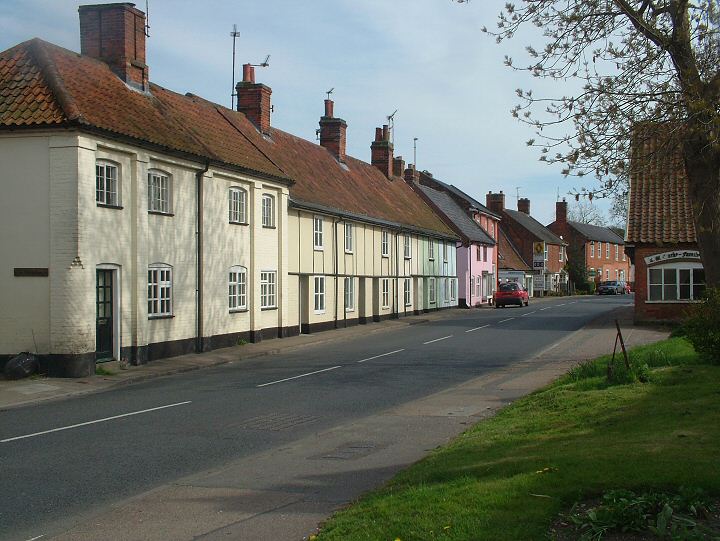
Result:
561,211
333,132
524,205
115,34
398,167
411,175
495,202
382,151
253,99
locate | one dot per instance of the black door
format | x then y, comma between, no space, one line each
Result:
104,325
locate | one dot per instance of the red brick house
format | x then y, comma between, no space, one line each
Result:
602,250
535,243
661,239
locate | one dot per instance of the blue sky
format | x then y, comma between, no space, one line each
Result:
426,58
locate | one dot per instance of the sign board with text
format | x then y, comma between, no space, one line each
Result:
538,256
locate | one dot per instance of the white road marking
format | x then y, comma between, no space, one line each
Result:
508,319
300,376
382,355
437,339
573,302
546,308
563,304
34,538
478,328
528,313
94,422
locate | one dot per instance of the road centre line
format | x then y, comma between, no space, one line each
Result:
94,422
508,319
437,339
478,328
528,313
563,304
34,538
300,376
382,355
546,308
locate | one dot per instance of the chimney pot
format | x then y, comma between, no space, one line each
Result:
329,108
495,201
115,34
382,151
561,211
385,133
398,166
378,134
248,73
333,133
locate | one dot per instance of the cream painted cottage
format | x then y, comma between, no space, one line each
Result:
142,223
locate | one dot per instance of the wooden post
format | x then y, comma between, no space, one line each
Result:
622,345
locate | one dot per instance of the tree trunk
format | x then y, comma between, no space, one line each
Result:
702,163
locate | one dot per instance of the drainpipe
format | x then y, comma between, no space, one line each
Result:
395,308
335,242
199,271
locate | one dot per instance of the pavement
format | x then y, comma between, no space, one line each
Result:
286,491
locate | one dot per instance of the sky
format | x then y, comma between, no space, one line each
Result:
427,59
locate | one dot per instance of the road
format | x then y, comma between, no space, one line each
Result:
65,461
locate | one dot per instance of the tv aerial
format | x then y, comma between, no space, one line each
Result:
330,92
391,125
264,64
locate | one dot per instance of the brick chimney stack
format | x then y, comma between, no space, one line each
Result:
333,132
382,151
561,211
524,205
115,34
495,202
253,99
398,166
411,175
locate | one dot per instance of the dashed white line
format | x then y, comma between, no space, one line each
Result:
382,355
478,328
508,319
437,339
546,308
34,538
528,313
300,376
563,304
94,422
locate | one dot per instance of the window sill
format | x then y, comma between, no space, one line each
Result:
408,257
160,213
269,227
386,256
684,301
385,307
349,252
319,312
408,304
264,308
349,310
318,249
431,259
106,206
169,316
237,310
238,223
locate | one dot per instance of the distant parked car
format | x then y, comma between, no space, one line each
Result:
511,293
611,287
628,290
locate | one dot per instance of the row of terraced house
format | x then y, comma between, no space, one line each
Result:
141,223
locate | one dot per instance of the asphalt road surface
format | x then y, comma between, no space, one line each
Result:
62,461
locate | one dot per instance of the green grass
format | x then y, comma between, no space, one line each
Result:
510,476
102,371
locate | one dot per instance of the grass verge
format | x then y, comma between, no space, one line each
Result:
508,478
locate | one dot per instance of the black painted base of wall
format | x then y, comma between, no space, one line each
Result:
330,325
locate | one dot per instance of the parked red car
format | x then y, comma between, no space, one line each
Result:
511,293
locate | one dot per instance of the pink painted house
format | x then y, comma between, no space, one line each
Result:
477,228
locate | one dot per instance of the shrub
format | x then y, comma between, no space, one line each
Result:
702,327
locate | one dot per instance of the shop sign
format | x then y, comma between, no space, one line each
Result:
670,256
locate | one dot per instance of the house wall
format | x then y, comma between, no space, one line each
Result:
61,227
619,268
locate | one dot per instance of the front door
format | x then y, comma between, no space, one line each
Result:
104,322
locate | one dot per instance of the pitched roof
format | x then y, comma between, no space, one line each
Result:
508,256
425,177
45,85
596,232
659,209
463,223
535,228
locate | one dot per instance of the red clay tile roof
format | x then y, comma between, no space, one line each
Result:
42,84
659,209
508,256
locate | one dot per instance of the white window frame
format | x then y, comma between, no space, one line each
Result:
318,232
349,238
607,274
349,294
107,186
319,294
617,252
407,293
432,293
385,288
268,210
546,250
453,289
160,291
237,205
384,243
562,249
159,191
445,251
607,250
407,246
268,289
623,253
472,287
677,268
447,289
237,288
592,248
431,249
